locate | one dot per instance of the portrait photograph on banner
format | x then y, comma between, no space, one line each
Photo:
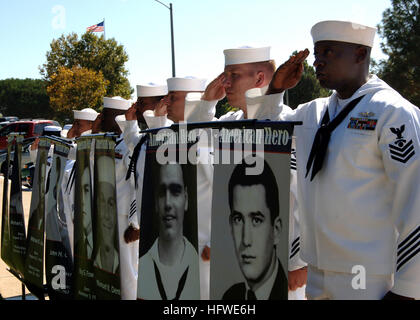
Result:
105,255
6,245
83,278
58,254
250,214
168,257
16,214
34,260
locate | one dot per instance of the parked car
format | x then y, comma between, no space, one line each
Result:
26,163
5,123
10,119
31,128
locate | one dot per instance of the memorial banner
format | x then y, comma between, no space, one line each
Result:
168,257
106,258
16,214
83,277
58,258
34,259
250,211
5,219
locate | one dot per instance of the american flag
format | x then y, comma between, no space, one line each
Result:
96,27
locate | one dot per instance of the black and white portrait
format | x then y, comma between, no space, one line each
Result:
168,264
250,231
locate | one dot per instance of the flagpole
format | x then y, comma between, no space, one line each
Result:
172,35
104,30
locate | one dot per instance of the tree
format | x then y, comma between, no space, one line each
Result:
307,89
93,53
76,88
400,33
25,98
223,107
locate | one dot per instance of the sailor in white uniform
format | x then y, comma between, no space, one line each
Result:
148,97
126,203
82,125
358,172
247,75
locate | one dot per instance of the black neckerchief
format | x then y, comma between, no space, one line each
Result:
181,283
134,158
322,138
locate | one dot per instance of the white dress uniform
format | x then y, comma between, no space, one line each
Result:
67,184
132,137
362,208
177,282
126,207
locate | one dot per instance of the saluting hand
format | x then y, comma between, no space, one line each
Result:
288,75
160,109
130,114
215,90
97,124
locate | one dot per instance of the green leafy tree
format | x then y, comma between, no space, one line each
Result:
75,89
307,89
223,107
400,33
25,98
93,53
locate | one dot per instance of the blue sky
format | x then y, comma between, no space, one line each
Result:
203,29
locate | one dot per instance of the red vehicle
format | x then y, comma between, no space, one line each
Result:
32,128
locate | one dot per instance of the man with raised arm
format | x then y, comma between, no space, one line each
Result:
358,171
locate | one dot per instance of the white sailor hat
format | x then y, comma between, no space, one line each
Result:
117,103
51,131
152,90
85,114
343,31
186,84
246,55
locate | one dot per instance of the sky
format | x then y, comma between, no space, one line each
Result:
202,30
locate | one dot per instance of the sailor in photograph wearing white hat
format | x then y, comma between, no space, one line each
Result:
128,227
82,125
130,123
358,172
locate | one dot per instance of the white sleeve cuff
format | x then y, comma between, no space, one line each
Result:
406,288
197,110
296,263
263,107
156,122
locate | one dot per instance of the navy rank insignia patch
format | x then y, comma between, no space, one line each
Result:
362,124
401,150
